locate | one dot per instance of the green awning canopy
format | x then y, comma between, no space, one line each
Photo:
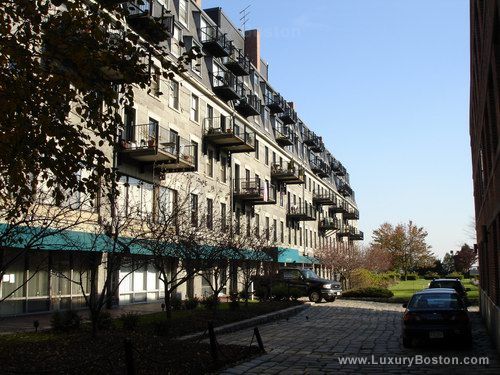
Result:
37,238
286,255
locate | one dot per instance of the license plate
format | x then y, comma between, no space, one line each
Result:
436,335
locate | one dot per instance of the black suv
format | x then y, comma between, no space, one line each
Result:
450,283
305,280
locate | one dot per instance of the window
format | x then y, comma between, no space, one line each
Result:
194,210
266,155
257,225
237,230
155,82
256,149
223,217
210,114
266,118
184,12
194,115
249,223
173,98
267,229
196,64
175,45
210,163
135,198
275,230
210,213
274,157
282,232
166,202
223,169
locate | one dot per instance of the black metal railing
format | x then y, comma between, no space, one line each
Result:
224,129
150,17
215,41
289,116
227,85
303,211
329,223
289,170
249,105
274,101
237,61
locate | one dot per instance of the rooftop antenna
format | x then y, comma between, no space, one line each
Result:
244,17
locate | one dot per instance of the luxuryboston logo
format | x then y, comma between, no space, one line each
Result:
416,360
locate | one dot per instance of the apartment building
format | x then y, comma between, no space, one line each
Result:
256,163
484,132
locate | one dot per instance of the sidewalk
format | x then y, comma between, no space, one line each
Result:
24,323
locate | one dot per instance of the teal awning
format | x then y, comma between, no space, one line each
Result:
68,240
286,255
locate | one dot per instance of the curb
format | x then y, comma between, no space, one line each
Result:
261,319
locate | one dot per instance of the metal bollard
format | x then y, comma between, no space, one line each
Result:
259,339
129,357
213,342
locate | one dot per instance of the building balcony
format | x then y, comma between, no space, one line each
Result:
289,116
304,212
110,3
338,168
344,189
155,144
355,234
150,19
249,105
215,42
314,142
329,223
324,199
343,231
319,167
339,207
351,214
283,134
227,86
224,133
237,62
291,174
254,192
275,102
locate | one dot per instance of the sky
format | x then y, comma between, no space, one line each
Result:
386,83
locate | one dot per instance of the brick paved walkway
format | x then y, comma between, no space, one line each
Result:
313,341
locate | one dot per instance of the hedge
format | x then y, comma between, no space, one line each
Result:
373,292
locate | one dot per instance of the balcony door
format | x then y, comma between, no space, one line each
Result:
129,120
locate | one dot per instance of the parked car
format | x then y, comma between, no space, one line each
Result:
304,282
450,283
436,314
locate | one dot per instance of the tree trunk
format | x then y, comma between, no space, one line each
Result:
168,303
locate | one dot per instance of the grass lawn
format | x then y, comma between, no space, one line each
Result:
405,289
155,349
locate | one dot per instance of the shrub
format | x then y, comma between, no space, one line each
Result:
412,276
455,275
235,301
245,295
130,321
363,278
279,292
262,292
295,293
370,292
176,303
162,328
210,302
65,321
104,321
431,275
191,303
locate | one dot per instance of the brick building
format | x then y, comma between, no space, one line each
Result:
484,132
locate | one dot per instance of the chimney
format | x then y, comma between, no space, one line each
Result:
252,47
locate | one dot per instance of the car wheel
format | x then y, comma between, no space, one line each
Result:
407,342
315,297
330,299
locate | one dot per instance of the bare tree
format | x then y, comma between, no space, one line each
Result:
342,258
41,225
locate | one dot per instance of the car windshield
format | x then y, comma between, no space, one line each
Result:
308,274
445,284
430,301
